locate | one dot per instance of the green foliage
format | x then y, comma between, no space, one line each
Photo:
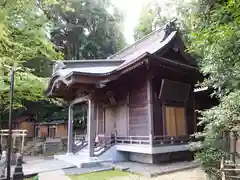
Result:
155,14
85,30
215,39
22,38
149,19
144,27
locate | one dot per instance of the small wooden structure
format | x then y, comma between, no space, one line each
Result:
15,134
143,94
52,129
22,122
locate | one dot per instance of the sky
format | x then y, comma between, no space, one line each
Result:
131,11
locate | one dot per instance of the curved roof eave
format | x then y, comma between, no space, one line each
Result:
58,77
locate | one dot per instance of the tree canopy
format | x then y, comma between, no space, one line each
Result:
215,39
22,38
212,29
157,13
85,30
33,34
149,19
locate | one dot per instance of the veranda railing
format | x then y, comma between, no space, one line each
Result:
155,140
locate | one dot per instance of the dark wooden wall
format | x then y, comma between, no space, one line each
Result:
138,108
190,114
100,119
129,91
157,109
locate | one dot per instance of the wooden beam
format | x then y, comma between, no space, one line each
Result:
80,99
111,97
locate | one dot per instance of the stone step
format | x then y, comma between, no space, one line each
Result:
78,171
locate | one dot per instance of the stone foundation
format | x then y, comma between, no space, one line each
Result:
140,157
173,157
52,146
64,141
161,158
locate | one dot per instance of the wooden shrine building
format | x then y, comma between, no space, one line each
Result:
143,94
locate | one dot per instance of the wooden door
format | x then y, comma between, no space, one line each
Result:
121,120
52,132
180,121
100,119
175,121
171,121
109,121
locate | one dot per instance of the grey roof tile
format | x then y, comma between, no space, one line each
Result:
151,43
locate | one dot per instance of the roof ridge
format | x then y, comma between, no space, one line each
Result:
141,39
88,60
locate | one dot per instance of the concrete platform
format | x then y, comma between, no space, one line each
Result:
80,161
59,175
45,166
78,171
36,165
152,170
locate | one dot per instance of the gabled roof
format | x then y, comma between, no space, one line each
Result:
151,43
21,119
127,57
97,66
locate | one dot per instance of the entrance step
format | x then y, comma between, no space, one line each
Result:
80,160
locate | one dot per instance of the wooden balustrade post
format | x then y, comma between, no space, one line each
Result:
151,139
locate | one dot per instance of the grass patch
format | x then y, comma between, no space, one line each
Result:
103,175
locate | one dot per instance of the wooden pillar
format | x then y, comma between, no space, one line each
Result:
150,108
1,137
23,139
233,145
91,127
127,114
194,115
14,140
97,120
70,130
